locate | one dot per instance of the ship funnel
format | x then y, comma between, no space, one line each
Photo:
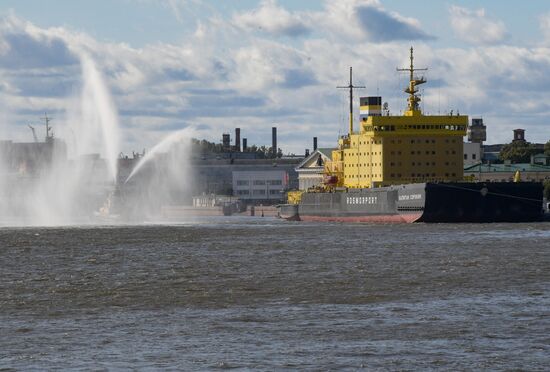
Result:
370,106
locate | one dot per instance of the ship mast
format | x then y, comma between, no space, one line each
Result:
350,87
413,100
49,133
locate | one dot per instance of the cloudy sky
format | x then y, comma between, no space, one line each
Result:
217,65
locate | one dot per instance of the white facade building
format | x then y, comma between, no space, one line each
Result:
310,170
472,153
266,185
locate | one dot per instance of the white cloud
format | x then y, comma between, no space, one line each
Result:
273,19
367,20
356,19
473,26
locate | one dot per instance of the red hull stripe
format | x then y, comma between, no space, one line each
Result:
389,218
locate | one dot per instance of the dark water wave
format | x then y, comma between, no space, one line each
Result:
266,294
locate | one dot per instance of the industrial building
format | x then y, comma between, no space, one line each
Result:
260,186
244,175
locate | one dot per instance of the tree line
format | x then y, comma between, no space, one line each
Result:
521,152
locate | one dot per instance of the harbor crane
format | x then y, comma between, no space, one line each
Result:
34,133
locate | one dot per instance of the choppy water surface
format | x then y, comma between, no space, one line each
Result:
266,294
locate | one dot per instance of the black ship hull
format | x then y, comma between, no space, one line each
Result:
424,202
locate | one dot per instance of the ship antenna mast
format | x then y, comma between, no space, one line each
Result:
351,87
413,99
47,120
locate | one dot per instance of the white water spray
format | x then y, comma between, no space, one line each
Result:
78,182
162,178
163,146
99,113
63,189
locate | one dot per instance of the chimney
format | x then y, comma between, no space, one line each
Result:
274,141
314,143
226,141
238,139
307,153
244,144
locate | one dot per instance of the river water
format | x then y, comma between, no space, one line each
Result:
265,294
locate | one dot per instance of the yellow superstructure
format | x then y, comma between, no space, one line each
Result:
390,150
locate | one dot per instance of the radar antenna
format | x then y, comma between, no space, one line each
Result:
351,87
413,99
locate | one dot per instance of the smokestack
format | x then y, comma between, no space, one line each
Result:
244,144
238,139
274,141
314,143
226,139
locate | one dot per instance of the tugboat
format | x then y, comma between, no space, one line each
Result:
408,168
